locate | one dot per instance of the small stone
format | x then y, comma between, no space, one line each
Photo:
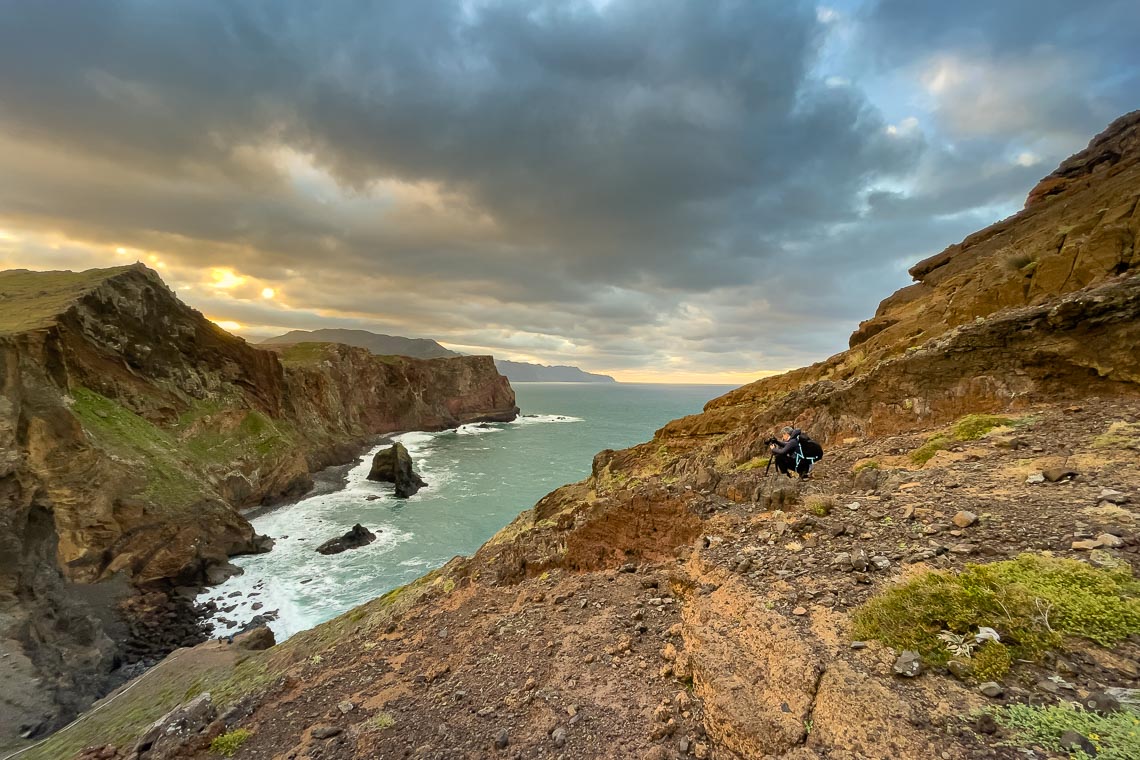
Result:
799,611
1071,741
502,740
880,562
1035,478
963,548
853,506
485,712
842,560
909,664
1057,474
1113,496
958,669
964,519
326,732
701,751
1109,541
1087,544
858,645
859,561
991,689
345,707
559,737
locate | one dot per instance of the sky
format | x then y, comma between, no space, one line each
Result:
660,190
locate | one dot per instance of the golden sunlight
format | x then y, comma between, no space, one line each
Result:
268,293
225,279
227,325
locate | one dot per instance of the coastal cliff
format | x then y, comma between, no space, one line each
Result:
132,430
981,476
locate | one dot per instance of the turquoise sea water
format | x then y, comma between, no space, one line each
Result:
479,478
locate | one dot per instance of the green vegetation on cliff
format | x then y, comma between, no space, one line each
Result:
35,299
1032,602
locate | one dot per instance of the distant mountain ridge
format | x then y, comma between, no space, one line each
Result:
523,372
383,345
425,348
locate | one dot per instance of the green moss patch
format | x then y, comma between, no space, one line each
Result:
1120,435
1115,736
754,463
1032,602
933,445
974,426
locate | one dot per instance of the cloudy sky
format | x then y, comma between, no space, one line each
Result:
663,190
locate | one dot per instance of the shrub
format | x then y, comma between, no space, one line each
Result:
1116,736
381,721
227,745
1032,601
821,505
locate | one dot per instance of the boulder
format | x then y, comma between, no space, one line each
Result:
177,728
357,537
394,465
256,639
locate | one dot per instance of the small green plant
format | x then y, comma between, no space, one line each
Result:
381,721
227,745
753,464
926,451
1115,736
870,464
1032,601
974,426
821,506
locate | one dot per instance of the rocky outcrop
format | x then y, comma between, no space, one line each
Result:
355,538
131,431
394,465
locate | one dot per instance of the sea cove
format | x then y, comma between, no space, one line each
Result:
480,476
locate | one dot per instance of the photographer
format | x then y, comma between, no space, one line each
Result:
794,452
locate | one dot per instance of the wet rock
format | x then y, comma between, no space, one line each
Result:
357,537
394,465
218,573
908,664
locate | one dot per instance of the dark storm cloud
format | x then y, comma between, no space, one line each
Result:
605,183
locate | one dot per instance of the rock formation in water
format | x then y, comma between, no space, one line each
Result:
355,538
676,604
131,430
394,465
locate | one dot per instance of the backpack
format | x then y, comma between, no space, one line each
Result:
808,451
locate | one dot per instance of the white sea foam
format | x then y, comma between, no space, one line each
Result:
541,419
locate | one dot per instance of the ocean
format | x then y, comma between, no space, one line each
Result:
480,477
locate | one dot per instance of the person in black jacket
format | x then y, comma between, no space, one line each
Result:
795,452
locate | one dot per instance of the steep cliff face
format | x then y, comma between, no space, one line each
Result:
131,430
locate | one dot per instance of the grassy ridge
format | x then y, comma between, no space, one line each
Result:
32,300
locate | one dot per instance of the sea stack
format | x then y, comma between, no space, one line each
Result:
394,465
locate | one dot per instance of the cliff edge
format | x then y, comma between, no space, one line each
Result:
132,430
